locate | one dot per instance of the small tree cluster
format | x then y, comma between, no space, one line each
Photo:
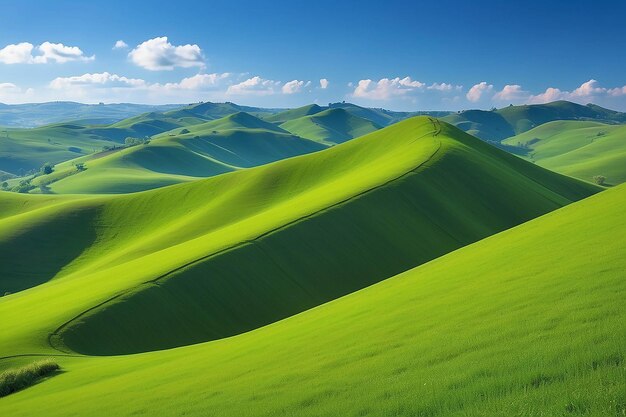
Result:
135,141
600,179
47,168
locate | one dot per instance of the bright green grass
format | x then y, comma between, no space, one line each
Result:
578,148
292,114
529,322
330,126
244,249
28,149
211,148
503,123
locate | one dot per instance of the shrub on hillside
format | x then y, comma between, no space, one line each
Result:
599,179
47,168
134,141
23,187
13,380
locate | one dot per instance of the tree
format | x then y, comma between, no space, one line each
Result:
79,166
47,168
5,185
134,141
599,179
184,131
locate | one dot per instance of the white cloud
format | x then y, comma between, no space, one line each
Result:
511,93
444,87
6,88
197,82
253,86
11,93
618,91
22,53
294,86
587,92
120,45
478,90
106,86
158,54
386,88
60,53
324,83
103,79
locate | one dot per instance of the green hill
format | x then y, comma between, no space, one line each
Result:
212,111
25,150
292,114
509,121
181,155
330,126
213,258
530,321
40,114
577,148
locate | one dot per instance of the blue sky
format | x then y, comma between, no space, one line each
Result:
403,55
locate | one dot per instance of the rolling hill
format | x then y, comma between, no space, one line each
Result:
292,114
509,121
25,150
180,155
577,148
40,114
330,126
490,329
217,257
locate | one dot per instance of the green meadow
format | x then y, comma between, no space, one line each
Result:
318,261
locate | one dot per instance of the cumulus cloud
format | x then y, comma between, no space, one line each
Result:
158,54
110,87
444,87
386,88
11,93
120,45
324,83
103,79
478,90
294,86
22,53
511,93
201,82
254,86
587,92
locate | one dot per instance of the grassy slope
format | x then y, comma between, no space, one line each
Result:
577,148
509,121
527,322
28,149
292,114
319,226
210,148
330,126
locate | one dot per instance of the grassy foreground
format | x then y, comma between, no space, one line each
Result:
529,322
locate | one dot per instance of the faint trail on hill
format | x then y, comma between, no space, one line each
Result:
155,281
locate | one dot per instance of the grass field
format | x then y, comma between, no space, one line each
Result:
577,148
489,329
330,126
497,125
206,149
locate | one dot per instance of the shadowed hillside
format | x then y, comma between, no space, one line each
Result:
251,247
